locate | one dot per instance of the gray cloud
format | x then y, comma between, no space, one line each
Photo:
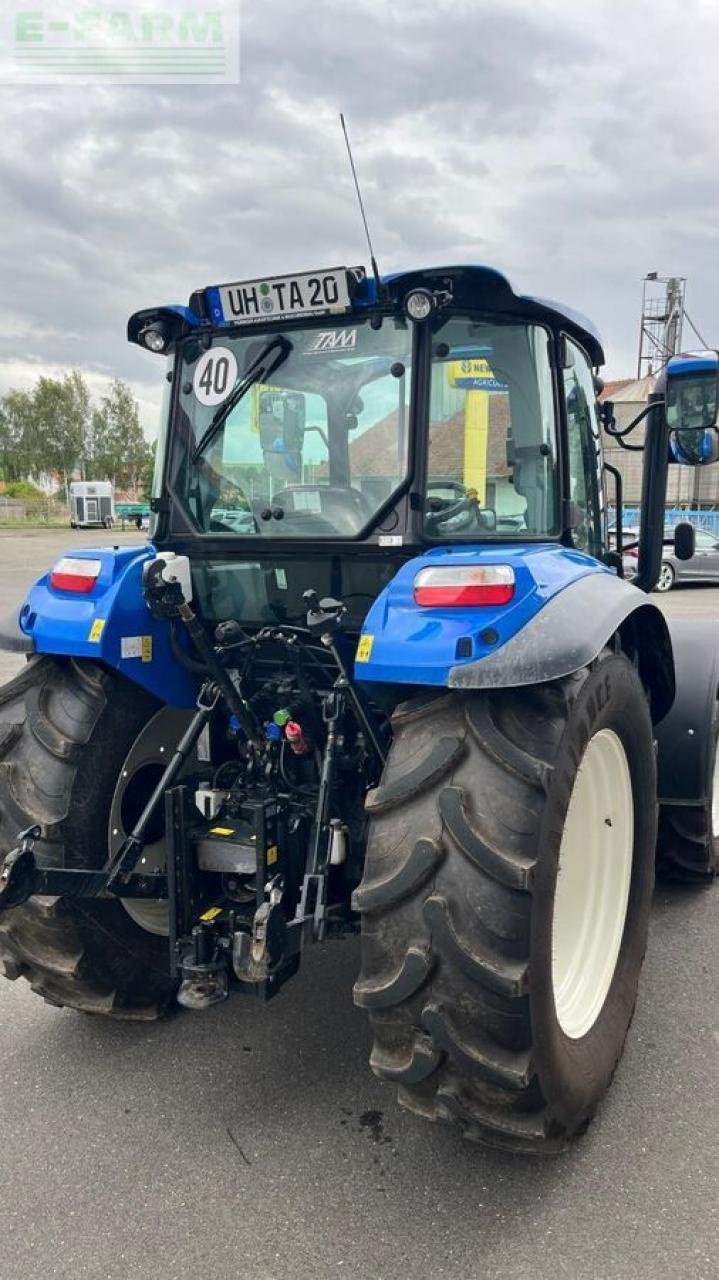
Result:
574,148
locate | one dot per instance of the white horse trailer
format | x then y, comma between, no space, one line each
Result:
92,504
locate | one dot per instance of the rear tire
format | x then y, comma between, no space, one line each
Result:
65,729
459,964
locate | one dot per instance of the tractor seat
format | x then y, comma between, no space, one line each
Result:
346,510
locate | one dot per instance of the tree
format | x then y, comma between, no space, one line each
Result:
120,450
78,410
59,427
148,474
16,415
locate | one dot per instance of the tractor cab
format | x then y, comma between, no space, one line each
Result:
320,422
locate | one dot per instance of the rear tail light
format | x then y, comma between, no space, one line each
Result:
469,584
73,574
632,552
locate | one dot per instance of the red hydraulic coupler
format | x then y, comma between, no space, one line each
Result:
296,738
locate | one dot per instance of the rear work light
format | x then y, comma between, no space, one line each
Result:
469,584
72,574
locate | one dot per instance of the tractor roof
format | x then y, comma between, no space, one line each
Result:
477,288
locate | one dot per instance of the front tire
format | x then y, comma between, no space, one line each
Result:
666,579
478,1012
66,729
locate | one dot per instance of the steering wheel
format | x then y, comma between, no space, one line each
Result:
464,512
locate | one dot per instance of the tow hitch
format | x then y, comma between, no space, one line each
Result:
248,877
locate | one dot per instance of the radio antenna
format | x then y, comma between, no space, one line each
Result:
373,260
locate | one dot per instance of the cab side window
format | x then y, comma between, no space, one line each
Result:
585,487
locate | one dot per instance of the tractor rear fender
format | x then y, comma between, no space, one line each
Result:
571,630
686,734
566,607
109,623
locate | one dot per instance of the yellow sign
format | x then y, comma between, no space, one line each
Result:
146,648
459,370
96,631
222,831
364,649
212,913
271,855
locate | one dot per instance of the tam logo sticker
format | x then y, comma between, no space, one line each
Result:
333,340
96,631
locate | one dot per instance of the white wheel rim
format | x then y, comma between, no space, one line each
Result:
593,879
715,798
153,746
666,577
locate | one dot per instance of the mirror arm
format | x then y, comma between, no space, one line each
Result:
619,435
618,504
654,492
630,448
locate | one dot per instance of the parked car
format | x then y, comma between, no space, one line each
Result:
702,567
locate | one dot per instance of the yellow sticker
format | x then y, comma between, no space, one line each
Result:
222,831
364,648
271,855
96,630
211,914
146,648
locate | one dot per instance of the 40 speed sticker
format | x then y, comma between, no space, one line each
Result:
215,376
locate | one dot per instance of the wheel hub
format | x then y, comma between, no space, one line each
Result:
141,772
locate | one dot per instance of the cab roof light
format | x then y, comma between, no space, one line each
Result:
73,574
452,586
156,337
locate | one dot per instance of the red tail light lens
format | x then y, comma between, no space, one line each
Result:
72,574
472,584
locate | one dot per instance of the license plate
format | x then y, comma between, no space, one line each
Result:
315,293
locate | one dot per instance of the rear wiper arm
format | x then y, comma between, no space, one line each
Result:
266,363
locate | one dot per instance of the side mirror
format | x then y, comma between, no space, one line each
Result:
692,409
684,540
282,421
282,432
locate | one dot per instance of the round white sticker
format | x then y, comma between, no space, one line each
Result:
215,376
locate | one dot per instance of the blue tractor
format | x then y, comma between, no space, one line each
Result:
378,669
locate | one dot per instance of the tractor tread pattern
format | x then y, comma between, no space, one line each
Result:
48,713
409,978
686,850
507,868
507,977
438,762
375,895
459,1045
422,1060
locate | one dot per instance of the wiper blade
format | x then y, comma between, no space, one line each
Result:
265,364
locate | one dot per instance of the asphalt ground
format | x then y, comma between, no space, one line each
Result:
253,1141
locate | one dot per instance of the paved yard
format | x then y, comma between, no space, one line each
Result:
254,1141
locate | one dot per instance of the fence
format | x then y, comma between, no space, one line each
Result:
709,520
32,511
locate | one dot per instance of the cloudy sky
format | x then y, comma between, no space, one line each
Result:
573,146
